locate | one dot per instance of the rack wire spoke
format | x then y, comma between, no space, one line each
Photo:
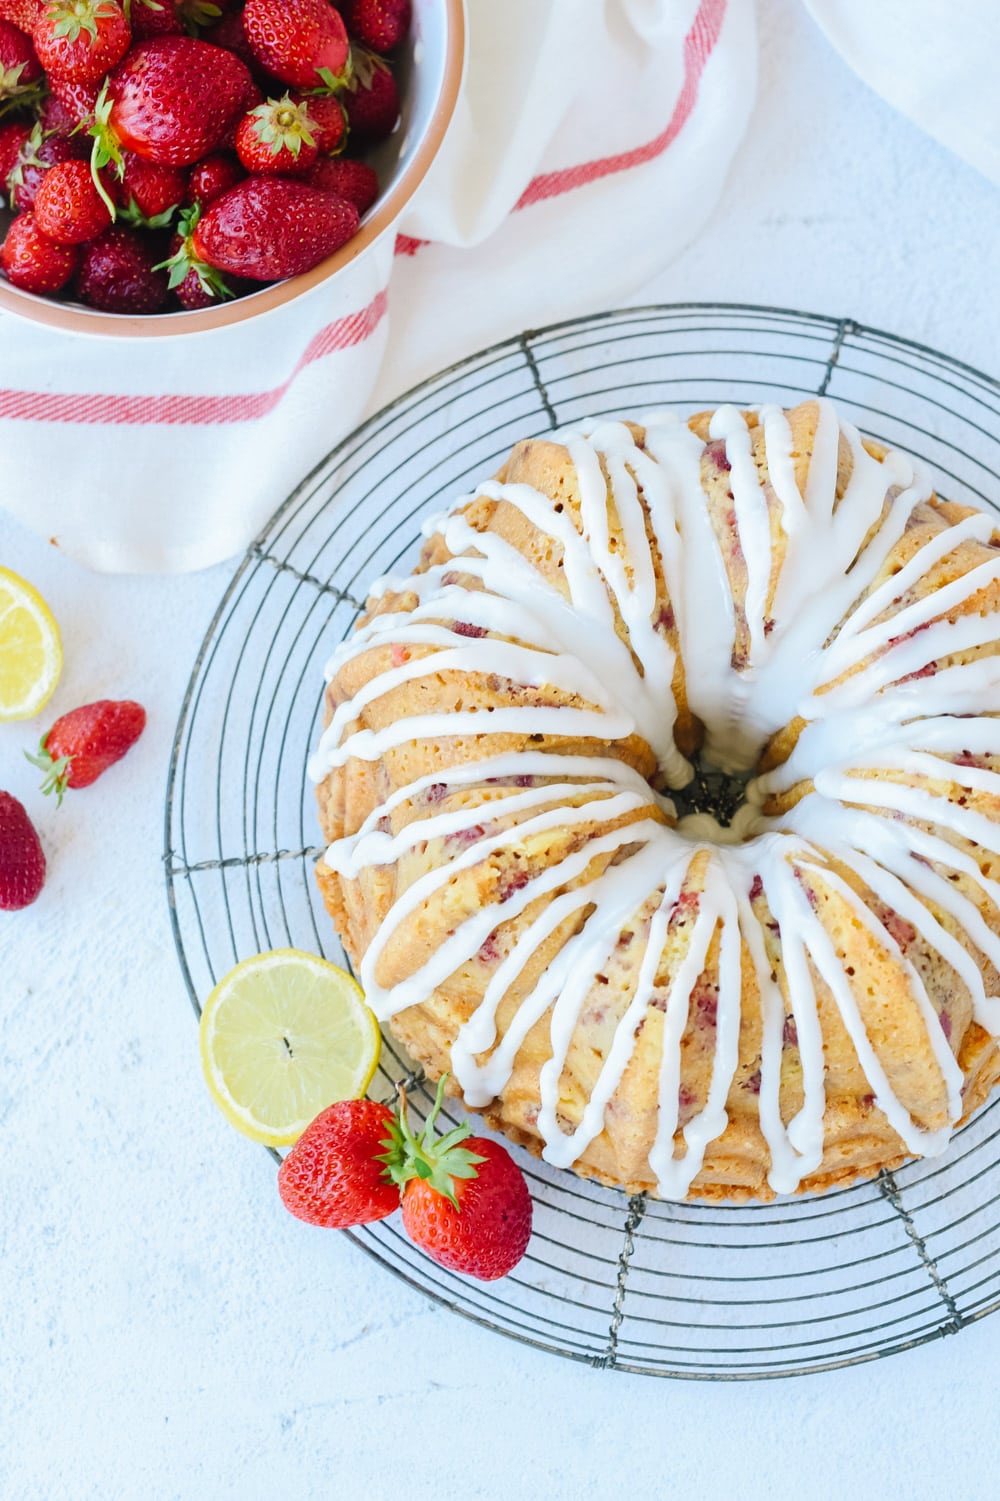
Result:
724,1292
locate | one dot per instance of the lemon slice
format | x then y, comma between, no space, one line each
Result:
30,649
283,1035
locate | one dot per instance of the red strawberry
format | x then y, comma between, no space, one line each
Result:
82,744
20,69
278,136
467,1205
12,138
170,100
21,13
302,42
333,1176
68,208
269,228
32,262
81,39
37,155
371,100
78,101
117,274
348,178
148,192
212,177
22,860
329,122
151,18
195,282
380,24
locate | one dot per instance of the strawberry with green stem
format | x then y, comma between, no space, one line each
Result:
271,228
277,136
302,42
371,98
82,744
81,39
196,283
171,100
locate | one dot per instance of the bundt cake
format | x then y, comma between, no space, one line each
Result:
794,999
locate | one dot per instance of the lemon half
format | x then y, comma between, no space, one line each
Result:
30,649
283,1035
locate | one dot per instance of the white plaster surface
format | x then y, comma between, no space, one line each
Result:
165,1329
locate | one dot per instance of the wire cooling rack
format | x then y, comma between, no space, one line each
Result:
730,1292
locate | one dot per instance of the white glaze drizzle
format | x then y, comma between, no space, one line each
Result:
858,659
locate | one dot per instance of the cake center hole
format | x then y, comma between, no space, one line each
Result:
711,795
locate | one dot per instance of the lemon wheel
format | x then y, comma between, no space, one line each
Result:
283,1035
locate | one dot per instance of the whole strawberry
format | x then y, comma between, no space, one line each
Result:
38,154
20,70
118,274
465,1200
170,100
346,176
371,99
33,262
82,744
380,24
68,208
329,123
278,136
211,177
334,1175
302,42
269,228
81,39
147,192
22,860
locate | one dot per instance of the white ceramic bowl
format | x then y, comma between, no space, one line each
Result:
430,75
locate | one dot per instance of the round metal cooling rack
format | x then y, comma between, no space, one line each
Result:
726,1292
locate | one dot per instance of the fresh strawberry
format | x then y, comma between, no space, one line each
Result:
12,138
33,262
348,178
20,70
82,744
380,24
269,228
22,861
302,42
465,1200
170,100
371,99
333,1176
148,192
39,153
78,101
195,282
278,136
211,177
149,18
81,39
68,208
21,13
329,123
118,275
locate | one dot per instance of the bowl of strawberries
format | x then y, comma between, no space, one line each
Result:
171,166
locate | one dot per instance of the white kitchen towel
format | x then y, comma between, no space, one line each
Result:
589,146
934,60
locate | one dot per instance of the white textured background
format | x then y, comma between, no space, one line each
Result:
165,1329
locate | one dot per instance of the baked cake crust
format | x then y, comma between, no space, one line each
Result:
676,1010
